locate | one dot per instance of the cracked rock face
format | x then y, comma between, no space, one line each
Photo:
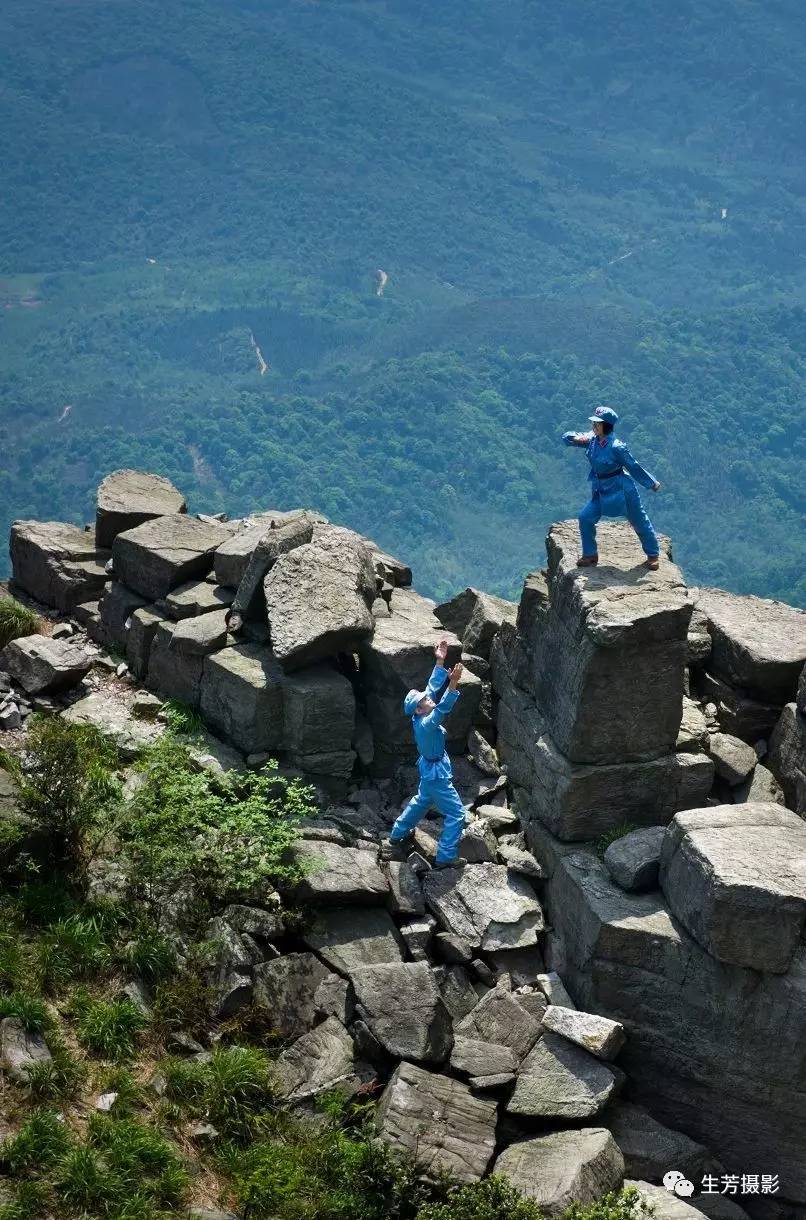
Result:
402,1005
564,1168
757,644
161,554
489,906
735,876
439,1120
559,1080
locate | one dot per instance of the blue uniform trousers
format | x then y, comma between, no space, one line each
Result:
442,794
636,515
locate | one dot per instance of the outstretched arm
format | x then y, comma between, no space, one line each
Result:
439,674
447,701
576,438
637,471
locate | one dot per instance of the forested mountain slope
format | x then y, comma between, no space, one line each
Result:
571,203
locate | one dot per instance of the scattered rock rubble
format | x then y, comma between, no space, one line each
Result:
545,1012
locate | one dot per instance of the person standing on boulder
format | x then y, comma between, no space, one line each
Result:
434,765
613,491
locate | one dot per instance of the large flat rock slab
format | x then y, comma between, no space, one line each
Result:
757,644
605,625
498,1018
127,498
318,597
40,664
320,1060
340,876
241,696
491,907
110,711
403,1007
58,564
439,1121
735,876
351,937
558,1080
564,1168
161,554
318,711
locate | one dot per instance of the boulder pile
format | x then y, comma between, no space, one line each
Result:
615,984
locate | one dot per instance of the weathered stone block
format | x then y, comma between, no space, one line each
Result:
559,1080
564,1168
140,637
318,597
117,606
319,714
787,757
736,712
242,697
736,878
580,802
41,664
161,554
287,987
269,533
607,627
439,1121
634,859
351,937
196,597
56,563
402,1005
488,905
173,671
758,644
340,876
127,498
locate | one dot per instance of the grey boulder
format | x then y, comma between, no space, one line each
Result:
40,664
486,904
560,1080
757,644
497,1017
439,1121
650,1149
633,860
599,1035
402,1005
196,597
288,988
161,554
339,876
733,759
787,756
241,695
127,498
58,564
20,1050
352,937
318,597
320,1060
735,876
564,1168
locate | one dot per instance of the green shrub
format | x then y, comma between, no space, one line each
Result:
57,1079
30,1010
625,1204
30,1202
16,620
108,1027
150,955
183,1000
181,719
69,790
73,948
491,1199
39,1144
232,1090
225,834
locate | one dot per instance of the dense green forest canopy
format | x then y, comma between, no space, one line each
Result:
573,203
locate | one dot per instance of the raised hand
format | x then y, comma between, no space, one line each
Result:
441,651
456,674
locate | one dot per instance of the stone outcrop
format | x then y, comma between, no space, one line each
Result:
58,564
127,498
161,554
542,980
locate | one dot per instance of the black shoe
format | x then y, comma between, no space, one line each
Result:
458,864
397,849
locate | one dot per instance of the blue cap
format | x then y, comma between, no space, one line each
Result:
410,703
604,415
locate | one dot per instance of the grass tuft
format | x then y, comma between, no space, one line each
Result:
108,1027
16,621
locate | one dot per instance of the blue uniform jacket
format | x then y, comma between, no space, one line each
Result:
429,734
614,459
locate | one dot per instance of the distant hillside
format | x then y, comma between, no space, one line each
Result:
592,201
